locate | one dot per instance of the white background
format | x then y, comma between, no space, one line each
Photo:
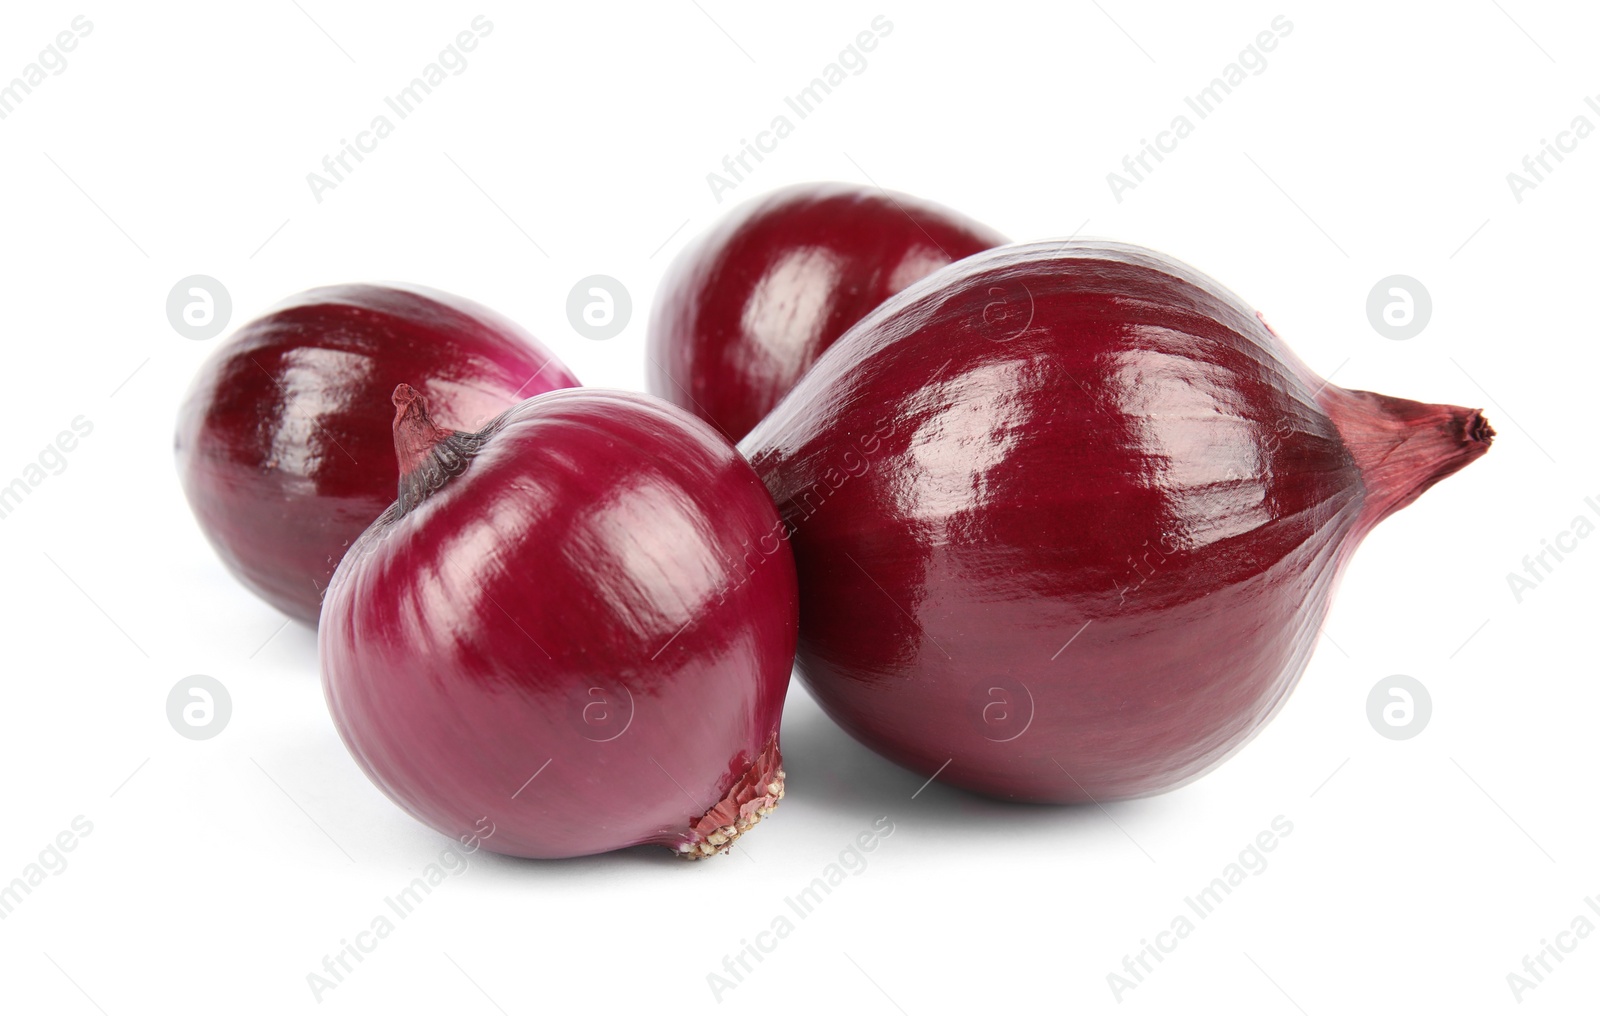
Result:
1377,141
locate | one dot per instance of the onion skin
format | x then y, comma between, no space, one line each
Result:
747,308
281,454
1067,518
578,624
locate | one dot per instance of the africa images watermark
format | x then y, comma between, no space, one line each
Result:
451,62
52,461
1252,860
1535,168
1538,567
1144,569
52,861
401,905
854,461
852,59
51,59
852,860
1252,61
1537,966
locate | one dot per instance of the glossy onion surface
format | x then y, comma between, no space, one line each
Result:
749,306
581,634
1067,518
284,445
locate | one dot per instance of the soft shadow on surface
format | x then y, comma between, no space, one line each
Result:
630,859
831,772
281,641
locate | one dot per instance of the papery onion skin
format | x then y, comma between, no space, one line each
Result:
579,625
748,307
281,453
1067,518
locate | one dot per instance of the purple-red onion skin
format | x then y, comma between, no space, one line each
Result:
1067,518
747,308
603,598
283,445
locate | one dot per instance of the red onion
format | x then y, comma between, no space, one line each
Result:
281,456
1067,518
747,308
577,623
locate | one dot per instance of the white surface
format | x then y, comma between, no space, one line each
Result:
219,874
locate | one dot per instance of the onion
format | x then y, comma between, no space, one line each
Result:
1067,518
577,623
282,459
747,308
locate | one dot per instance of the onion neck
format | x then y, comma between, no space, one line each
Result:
1401,447
429,455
